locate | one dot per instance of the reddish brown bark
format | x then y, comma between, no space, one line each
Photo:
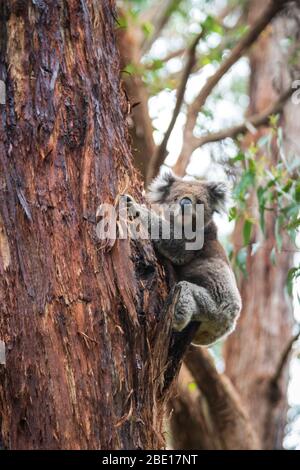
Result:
254,352
85,345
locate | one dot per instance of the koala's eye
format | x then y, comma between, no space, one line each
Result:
186,201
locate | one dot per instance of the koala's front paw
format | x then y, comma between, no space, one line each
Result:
129,200
179,321
181,315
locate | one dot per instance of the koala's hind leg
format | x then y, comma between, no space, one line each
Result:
187,307
196,304
216,321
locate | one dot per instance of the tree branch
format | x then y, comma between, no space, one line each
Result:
159,19
283,360
242,46
229,418
160,154
189,421
235,55
167,57
254,121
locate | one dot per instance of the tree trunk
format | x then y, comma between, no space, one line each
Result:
266,320
84,336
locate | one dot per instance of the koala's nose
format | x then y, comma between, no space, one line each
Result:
185,203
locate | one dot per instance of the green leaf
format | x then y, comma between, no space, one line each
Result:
253,149
274,118
240,157
130,69
147,29
211,25
207,113
262,218
261,206
297,193
192,386
247,180
215,55
294,224
241,260
122,22
272,182
232,213
278,225
156,64
261,195
252,165
287,186
293,274
247,230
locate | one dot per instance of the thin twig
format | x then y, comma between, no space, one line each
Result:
167,57
159,19
237,52
283,359
241,47
161,150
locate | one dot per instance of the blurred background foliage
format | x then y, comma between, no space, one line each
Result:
173,48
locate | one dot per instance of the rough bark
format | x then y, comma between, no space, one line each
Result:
86,343
266,320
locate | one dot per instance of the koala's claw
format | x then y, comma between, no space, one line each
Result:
128,199
179,320
132,206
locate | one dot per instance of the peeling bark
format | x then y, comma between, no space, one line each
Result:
86,342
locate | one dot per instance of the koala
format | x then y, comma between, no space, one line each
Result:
208,293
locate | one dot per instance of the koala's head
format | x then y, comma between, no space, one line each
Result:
169,189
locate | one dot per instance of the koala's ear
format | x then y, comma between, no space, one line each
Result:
160,187
218,194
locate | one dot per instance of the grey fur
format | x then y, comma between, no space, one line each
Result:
208,290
